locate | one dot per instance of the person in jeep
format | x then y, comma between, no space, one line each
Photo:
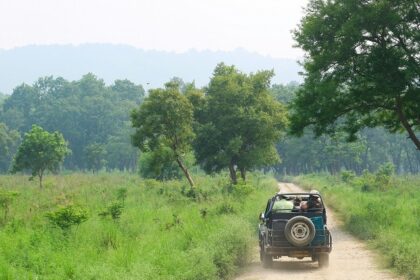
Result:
283,204
313,204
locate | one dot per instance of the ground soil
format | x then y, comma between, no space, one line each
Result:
349,259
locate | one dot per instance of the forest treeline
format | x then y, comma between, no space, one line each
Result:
372,148
95,120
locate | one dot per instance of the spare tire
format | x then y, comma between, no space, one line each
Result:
299,231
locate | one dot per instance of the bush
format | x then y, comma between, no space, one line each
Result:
67,216
122,194
6,199
379,181
347,176
226,207
114,210
242,189
384,176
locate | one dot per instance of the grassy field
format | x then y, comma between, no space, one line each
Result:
382,209
129,228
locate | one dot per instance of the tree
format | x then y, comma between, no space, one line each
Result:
40,151
124,89
362,67
9,141
240,124
95,154
3,97
165,118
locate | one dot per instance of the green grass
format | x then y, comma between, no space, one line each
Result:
164,231
387,215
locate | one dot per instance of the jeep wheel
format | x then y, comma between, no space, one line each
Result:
299,231
323,260
314,258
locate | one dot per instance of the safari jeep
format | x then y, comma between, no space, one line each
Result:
294,225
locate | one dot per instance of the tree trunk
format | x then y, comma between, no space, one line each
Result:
233,173
40,175
406,124
185,170
243,173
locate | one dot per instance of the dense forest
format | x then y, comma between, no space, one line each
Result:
95,120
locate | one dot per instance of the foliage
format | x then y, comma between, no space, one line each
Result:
389,220
67,216
9,141
85,111
164,126
347,176
138,246
95,157
40,151
6,199
362,67
381,180
332,153
385,173
114,210
240,123
159,164
122,194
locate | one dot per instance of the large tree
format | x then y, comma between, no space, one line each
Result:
165,118
362,67
240,123
40,151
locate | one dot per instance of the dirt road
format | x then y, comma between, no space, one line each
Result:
349,259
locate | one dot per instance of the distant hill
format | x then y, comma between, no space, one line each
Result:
110,62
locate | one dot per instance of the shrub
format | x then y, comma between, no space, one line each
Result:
347,176
114,210
242,189
384,175
67,216
6,198
122,194
226,207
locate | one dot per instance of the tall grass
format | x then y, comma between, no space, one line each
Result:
164,230
384,211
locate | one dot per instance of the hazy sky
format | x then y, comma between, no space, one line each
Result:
262,26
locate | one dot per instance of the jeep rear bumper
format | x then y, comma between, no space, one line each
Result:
296,252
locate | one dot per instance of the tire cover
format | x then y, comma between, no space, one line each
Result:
299,231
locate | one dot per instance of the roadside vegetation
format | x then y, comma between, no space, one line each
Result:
379,207
119,226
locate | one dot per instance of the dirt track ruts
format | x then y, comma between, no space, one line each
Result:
349,259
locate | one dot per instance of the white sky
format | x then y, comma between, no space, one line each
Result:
262,26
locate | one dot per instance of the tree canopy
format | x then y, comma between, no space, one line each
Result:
362,67
165,118
40,151
240,123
